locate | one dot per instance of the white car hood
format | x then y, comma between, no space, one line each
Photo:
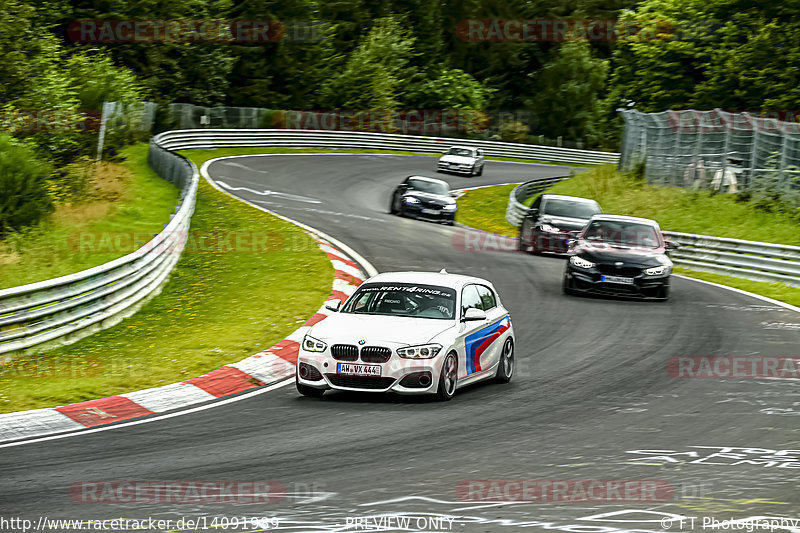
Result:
348,328
460,159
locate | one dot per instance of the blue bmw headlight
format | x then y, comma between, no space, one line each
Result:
449,207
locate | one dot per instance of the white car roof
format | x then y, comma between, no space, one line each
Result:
464,147
453,281
426,178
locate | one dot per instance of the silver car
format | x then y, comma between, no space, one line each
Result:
462,160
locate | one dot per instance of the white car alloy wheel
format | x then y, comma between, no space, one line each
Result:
505,367
449,378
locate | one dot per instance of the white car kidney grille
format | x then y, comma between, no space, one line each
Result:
375,354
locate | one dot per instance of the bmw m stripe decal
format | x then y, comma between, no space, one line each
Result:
477,343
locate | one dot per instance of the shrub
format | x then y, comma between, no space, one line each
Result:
23,186
514,132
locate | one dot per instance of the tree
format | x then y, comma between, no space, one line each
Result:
731,54
23,181
450,89
568,89
373,75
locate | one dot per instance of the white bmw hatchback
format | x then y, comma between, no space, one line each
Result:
410,333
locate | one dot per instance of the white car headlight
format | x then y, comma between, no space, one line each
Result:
423,351
549,229
580,262
449,207
657,271
410,200
310,344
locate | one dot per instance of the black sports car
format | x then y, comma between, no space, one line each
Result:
424,198
551,218
619,256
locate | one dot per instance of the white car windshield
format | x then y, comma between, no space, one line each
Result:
403,299
465,152
433,187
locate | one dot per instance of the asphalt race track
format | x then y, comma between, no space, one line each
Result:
590,389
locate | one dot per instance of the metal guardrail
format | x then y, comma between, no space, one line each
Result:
70,307
216,138
516,210
756,261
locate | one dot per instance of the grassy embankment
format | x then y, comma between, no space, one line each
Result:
218,306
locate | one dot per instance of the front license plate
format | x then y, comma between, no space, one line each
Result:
430,212
616,279
358,370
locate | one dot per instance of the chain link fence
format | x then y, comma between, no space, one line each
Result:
717,150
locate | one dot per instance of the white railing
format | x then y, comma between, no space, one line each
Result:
70,307
182,139
757,261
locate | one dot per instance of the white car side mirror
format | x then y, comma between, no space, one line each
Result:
474,314
333,305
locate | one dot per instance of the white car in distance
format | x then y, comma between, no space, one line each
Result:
409,333
462,160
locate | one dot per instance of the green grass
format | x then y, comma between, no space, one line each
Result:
216,308
674,209
224,152
776,291
140,202
485,209
682,210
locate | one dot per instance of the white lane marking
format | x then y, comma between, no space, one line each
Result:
318,211
154,419
287,196
245,167
746,293
355,256
426,499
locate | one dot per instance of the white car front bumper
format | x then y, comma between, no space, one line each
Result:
456,167
403,376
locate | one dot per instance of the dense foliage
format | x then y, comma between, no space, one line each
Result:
404,54
24,198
